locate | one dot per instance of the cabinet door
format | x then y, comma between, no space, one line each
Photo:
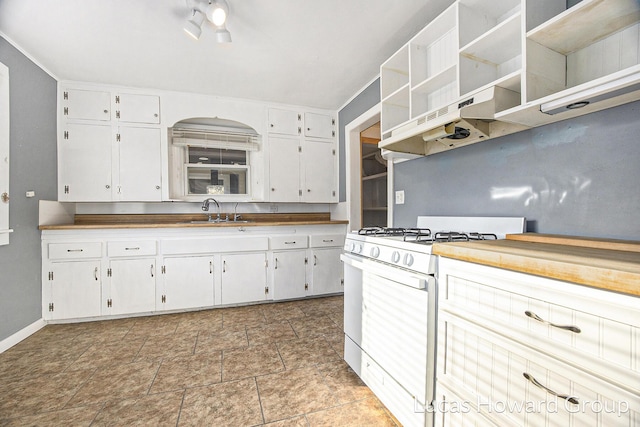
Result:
140,164
285,122
326,271
284,170
138,108
132,286
289,274
188,283
74,290
84,163
318,159
86,105
319,125
244,278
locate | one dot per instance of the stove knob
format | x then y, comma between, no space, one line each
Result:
408,260
352,248
358,248
375,252
395,256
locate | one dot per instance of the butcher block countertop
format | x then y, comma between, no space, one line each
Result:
108,221
602,263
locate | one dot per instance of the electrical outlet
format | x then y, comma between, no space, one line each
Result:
273,208
400,197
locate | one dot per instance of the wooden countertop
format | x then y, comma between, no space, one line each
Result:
97,222
602,263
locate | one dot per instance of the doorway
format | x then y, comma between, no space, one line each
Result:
373,168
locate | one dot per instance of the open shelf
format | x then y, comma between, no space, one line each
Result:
478,17
394,73
584,24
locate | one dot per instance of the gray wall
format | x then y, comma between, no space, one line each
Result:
32,167
576,177
366,99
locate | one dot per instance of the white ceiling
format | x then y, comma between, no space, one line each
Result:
317,53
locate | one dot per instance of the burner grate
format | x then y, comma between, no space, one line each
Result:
456,236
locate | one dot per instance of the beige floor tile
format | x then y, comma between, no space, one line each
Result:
233,403
180,372
168,346
234,317
270,333
208,320
344,382
109,353
291,393
117,382
337,342
278,312
368,412
40,394
224,339
153,325
250,362
82,416
153,410
306,351
300,421
311,326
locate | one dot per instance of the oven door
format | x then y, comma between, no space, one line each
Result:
389,324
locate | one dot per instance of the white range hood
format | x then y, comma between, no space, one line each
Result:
461,123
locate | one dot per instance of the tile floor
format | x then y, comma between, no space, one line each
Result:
274,364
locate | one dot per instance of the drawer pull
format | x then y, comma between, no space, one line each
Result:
95,273
290,243
534,316
75,250
536,383
131,249
327,240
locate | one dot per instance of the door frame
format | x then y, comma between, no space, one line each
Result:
352,207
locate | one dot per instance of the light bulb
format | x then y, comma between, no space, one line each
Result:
217,13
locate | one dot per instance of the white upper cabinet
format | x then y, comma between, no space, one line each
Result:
86,104
285,122
84,163
134,108
302,163
100,158
319,125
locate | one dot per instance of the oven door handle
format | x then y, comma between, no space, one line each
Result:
393,274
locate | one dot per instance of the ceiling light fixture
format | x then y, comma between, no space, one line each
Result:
216,12
193,27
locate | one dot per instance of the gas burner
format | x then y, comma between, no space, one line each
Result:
381,231
418,235
455,236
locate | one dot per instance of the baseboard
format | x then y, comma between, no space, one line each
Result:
22,334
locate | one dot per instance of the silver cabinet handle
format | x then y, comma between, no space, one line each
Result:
131,249
315,260
224,266
327,240
290,243
210,267
152,270
570,399
95,273
534,316
75,250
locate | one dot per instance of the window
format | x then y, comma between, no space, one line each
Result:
215,160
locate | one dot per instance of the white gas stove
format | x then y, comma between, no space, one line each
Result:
390,295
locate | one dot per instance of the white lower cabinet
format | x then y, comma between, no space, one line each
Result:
290,274
326,271
131,286
186,282
88,274
244,278
521,350
72,290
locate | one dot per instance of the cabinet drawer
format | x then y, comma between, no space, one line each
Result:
489,372
75,250
131,248
288,242
325,240
595,329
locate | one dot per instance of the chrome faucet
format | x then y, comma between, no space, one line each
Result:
205,207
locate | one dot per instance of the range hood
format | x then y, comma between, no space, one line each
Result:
461,123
